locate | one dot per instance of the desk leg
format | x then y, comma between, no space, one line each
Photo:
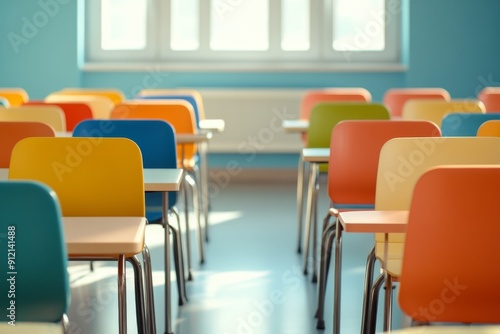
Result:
204,184
388,287
300,201
307,236
337,277
168,308
122,297
314,220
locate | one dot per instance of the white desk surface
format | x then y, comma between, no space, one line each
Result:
316,154
373,221
106,236
155,179
199,137
449,330
31,327
217,125
295,125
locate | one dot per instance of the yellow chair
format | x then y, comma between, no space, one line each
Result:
401,163
489,129
51,115
95,180
15,96
395,98
435,110
115,95
101,106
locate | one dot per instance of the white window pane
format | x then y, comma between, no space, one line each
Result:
295,25
239,25
358,25
185,25
123,24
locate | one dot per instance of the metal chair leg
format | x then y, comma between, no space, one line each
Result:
122,295
150,303
370,264
373,305
179,270
196,210
188,233
181,252
141,299
300,203
326,251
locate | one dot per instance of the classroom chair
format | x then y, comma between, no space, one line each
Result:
74,113
490,96
14,96
115,95
101,106
51,115
395,98
465,124
34,277
489,128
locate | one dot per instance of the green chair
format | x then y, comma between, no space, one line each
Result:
34,277
324,117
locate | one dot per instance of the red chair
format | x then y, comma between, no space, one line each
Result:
74,112
395,98
490,96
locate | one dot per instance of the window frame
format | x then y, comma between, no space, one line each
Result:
320,55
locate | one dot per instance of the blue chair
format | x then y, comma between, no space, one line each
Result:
36,281
156,139
465,124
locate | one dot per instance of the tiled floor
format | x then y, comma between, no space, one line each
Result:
252,280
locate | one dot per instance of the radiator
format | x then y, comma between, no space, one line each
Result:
253,119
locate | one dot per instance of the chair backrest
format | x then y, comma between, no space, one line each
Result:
115,95
395,98
313,97
91,176
15,96
32,236
74,113
101,106
403,160
52,115
192,96
4,103
490,96
325,116
451,249
12,132
155,138
178,113
435,110
489,129
465,124
354,153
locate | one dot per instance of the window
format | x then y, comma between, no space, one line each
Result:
272,32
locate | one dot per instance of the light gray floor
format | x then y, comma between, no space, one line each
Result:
252,280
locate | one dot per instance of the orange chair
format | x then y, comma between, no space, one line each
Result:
489,129
395,98
450,271
12,132
74,112
115,95
352,174
15,96
180,115
101,106
490,96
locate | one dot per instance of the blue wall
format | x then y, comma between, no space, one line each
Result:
451,43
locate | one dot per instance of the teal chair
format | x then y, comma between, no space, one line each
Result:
36,280
465,124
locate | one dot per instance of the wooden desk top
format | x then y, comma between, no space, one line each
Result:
373,221
155,179
316,154
295,125
106,236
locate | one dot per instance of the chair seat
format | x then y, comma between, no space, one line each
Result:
104,236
